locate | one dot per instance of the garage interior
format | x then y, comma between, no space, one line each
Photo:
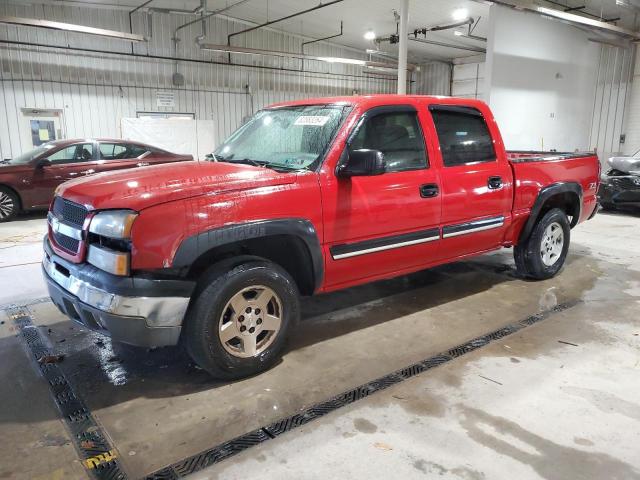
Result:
462,371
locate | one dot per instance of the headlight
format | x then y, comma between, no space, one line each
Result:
113,223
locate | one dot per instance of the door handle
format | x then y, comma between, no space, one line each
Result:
142,164
429,190
494,182
88,172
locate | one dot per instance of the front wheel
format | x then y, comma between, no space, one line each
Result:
543,254
239,323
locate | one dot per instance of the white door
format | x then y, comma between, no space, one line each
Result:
40,126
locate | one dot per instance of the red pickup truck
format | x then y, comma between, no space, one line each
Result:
307,197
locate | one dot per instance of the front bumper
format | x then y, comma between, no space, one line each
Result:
139,311
620,191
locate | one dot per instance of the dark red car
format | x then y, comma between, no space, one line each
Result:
28,181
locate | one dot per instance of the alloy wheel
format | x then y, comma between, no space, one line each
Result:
552,244
250,321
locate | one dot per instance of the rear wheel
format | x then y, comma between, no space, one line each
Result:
9,204
239,323
543,254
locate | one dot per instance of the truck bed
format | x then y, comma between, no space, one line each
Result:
532,171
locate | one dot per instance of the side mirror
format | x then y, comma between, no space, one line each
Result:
45,162
362,163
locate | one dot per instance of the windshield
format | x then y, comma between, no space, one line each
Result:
291,138
31,154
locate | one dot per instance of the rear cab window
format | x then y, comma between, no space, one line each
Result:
463,135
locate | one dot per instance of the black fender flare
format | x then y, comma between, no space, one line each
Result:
545,194
193,247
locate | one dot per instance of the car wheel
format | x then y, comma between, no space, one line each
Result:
9,204
543,254
240,320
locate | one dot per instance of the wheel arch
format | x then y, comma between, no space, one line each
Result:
291,243
566,196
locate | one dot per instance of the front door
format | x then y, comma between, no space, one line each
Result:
477,186
73,161
386,223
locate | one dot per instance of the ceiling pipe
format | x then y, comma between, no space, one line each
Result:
271,22
131,12
70,27
208,15
402,51
323,38
302,56
449,45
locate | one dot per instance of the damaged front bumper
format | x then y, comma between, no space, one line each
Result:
139,311
619,191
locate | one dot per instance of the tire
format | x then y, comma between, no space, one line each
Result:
9,204
232,344
543,254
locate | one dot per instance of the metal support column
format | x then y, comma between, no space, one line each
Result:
402,55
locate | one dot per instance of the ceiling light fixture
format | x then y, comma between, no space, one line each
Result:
460,14
458,33
369,35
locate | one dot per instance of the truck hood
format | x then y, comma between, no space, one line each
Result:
140,188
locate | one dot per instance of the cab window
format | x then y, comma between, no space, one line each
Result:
398,136
72,154
463,135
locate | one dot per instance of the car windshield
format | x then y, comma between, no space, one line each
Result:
31,154
288,138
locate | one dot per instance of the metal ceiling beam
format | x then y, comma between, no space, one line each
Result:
566,17
302,56
70,27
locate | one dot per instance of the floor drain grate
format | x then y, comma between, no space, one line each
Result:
218,453
98,456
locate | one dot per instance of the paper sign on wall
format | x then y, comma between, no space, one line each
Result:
314,120
165,99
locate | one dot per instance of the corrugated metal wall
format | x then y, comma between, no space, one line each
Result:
611,99
94,90
632,117
432,79
468,80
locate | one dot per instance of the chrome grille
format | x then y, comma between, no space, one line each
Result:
68,243
72,217
69,212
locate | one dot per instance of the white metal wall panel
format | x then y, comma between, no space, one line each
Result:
432,79
611,100
95,90
468,80
632,117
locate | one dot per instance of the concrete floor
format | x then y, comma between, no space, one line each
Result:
557,400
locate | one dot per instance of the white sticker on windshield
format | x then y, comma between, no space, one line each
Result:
315,120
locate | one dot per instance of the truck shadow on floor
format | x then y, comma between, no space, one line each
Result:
105,373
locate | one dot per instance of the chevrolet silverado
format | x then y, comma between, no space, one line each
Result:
306,197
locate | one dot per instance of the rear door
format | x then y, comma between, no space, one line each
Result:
477,185
384,223
119,155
